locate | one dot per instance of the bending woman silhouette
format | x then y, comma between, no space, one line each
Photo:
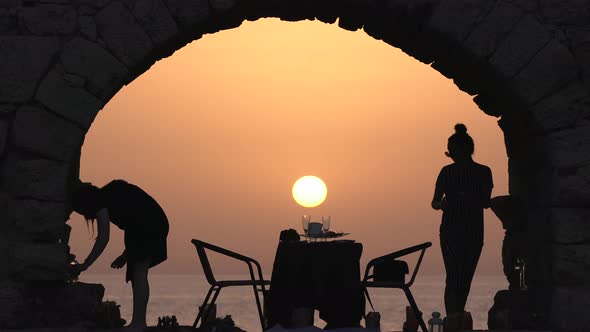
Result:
146,228
462,191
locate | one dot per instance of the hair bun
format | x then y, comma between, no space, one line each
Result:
460,128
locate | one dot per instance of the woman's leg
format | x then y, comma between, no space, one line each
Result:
452,269
141,292
471,257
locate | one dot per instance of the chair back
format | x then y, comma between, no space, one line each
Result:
200,245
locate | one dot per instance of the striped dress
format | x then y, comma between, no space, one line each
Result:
467,187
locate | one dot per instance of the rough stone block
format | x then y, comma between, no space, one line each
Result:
568,148
73,103
37,130
122,35
92,3
548,71
24,60
560,110
570,226
569,309
3,135
456,18
571,187
39,261
565,12
222,5
154,18
87,27
12,303
189,12
35,178
488,34
41,220
8,22
520,46
571,264
50,19
103,72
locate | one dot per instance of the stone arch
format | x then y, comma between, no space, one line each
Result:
527,62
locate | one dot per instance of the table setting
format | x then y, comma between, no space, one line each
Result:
316,270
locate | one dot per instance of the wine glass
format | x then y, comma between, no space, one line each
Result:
326,224
305,222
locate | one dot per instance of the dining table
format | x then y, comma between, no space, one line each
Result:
323,276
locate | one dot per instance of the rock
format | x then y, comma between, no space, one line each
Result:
55,305
189,12
103,72
520,46
569,225
73,103
456,18
569,308
36,178
573,12
12,304
567,149
546,73
8,22
488,34
561,109
24,60
41,220
571,187
509,210
571,264
50,19
222,5
92,3
87,27
154,18
38,261
499,313
38,130
3,135
123,36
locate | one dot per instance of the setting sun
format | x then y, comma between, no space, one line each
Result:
309,191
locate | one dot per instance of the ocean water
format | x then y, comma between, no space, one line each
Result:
180,295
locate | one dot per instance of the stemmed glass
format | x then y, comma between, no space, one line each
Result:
305,222
326,225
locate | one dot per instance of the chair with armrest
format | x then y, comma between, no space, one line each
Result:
369,279
256,280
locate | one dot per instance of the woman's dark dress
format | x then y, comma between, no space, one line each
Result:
143,220
466,188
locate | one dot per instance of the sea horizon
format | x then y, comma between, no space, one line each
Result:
180,294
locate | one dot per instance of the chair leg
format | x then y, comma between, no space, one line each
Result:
200,310
414,306
210,307
258,305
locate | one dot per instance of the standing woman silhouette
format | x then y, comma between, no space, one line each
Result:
462,191
146,228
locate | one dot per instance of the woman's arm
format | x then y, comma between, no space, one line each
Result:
103,225
437,199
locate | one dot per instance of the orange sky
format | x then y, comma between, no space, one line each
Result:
219,132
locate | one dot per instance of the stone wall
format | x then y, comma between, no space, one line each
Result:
526,62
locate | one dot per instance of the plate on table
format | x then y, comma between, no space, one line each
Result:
344,241
329,235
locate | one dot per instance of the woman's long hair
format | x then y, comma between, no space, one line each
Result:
86,201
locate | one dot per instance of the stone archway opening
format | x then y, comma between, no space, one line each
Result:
522,62
369,111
